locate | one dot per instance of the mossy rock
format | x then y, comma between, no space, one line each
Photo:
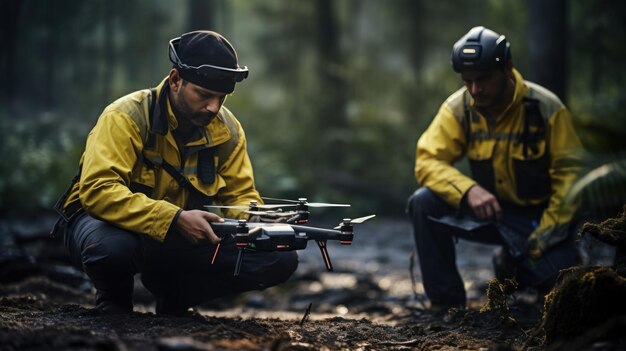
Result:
582,298
612,231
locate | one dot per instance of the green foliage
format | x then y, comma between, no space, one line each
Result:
598,76
38,161
332,117
599,104
603,188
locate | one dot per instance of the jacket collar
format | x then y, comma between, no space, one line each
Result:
520,89
164,120
161,110
519,92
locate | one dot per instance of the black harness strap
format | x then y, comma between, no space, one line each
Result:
65,214
206,165
532,117
196,197
483,170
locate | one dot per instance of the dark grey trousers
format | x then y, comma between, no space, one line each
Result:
175,270
437,256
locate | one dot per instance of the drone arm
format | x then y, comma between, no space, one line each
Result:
318,233
223,229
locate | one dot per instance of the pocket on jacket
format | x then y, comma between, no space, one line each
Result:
481,164
532,171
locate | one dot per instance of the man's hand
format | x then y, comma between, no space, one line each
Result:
483,203
536,247
194,226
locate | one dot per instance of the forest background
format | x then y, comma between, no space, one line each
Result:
339,91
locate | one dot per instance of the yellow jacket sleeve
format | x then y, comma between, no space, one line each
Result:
439,147
113,148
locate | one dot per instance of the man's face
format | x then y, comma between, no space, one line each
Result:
196,104
488,88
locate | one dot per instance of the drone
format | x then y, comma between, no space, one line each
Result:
282,231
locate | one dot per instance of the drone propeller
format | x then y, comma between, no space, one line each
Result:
243,207
324,204
303,201
362,219
273,213
348,221
227,206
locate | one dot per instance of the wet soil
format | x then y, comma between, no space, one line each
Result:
367,303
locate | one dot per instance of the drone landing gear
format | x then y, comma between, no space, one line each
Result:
217,250
322,245
239,258
238,264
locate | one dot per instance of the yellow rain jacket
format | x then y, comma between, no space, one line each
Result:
123,182
522,160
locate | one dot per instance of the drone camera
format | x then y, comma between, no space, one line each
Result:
279,238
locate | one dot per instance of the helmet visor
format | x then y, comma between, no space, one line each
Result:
208,71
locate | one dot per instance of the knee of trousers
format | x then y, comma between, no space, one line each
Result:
284,266
422,202
113,255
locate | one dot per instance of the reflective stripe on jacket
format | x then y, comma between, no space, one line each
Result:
117,186
536,175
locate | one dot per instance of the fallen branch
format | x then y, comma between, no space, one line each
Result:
411,342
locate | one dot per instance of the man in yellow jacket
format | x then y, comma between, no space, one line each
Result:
153,159
522,151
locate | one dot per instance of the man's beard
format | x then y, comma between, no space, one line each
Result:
486,102
197,119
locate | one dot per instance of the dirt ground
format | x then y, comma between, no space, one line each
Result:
367,303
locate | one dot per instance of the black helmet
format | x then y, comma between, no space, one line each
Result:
207,59
480,49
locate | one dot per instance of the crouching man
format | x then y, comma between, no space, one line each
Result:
154,158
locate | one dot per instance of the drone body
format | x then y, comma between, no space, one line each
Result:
281,231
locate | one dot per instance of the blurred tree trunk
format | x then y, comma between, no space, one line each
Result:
331,66
416,46
109,49
332,94
9,15
597,49
414,10
201,15
548,44
49,52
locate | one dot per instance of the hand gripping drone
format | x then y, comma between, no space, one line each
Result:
289,235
